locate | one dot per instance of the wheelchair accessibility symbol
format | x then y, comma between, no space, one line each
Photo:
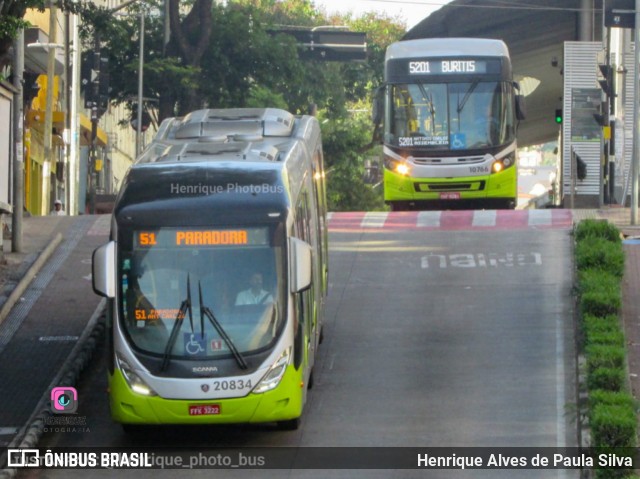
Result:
458,141
195,344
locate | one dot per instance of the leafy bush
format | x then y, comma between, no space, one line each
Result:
612,398
604,356
598,229
600,324
601,303
596,252
610,338
613,426
606,379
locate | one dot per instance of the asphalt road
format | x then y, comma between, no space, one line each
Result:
432,339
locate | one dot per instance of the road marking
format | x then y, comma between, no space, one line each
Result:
47,339
540,218
8,431
429,219
484,218
374,219
451,220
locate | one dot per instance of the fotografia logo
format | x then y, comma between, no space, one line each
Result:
64,400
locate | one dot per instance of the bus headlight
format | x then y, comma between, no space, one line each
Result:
503,163
397,166
134,381
276,372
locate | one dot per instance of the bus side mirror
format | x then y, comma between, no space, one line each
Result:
300,265
521,108
377,114
378,106
103,277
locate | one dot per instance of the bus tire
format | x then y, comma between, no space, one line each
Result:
289,424
321,338
310,381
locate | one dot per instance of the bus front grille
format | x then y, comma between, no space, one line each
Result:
438,187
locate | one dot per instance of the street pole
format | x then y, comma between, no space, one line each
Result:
67,111
48,114
635,160
18,159
140,84
93,153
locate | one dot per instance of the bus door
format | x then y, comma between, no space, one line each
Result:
305,302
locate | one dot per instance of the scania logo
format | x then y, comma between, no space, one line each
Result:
205,388
205,369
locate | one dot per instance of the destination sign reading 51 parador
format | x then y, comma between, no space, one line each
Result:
191,237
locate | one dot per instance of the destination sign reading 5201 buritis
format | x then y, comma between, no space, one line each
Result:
442,67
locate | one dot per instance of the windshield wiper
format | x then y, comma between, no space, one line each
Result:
467,95
184,307
205,311
432,111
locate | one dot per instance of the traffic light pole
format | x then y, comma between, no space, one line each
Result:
635,159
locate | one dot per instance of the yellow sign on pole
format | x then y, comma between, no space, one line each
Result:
98,165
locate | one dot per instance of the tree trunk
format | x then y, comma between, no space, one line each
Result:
190,39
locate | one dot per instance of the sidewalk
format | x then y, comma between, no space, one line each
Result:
40,234
46,303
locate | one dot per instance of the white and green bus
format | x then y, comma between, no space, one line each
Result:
449,113
216,271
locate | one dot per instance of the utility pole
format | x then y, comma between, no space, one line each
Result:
18,159
67,111
93,153
140,85
48,114
635,160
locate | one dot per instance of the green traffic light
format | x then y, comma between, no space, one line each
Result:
558,116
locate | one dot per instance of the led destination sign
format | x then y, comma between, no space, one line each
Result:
443,67
177,238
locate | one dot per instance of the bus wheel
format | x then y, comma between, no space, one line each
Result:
310,382
289,425
321,338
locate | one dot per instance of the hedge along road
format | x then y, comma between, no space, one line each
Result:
432,339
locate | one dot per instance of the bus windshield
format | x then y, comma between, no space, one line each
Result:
450,116
202,293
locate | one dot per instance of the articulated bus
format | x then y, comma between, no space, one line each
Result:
449,111
216,271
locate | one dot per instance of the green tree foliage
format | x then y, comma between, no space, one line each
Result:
238,55
11,21
343,141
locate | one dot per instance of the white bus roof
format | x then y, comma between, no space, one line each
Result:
447,47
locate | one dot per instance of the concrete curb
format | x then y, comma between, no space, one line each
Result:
31,273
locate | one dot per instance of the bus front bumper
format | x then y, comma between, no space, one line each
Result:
282,403
403,188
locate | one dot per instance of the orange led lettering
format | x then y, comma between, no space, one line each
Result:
211,238
147,239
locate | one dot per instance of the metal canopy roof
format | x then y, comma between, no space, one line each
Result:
535,32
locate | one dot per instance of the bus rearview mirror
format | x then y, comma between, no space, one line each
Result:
300,265
521,109
103,277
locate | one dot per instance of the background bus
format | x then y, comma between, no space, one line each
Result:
216,271
449,114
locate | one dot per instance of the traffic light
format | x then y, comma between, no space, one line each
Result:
607,82
559,116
